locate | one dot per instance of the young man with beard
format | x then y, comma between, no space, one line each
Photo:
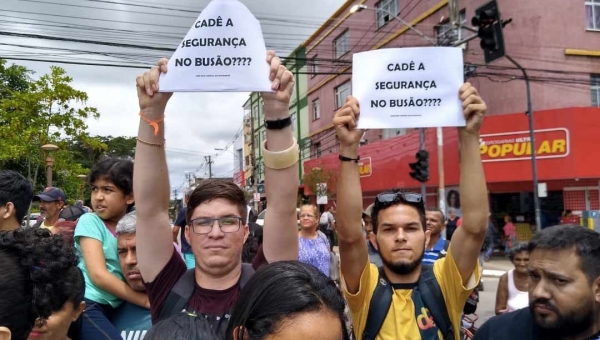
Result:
216,225
564,290
401,237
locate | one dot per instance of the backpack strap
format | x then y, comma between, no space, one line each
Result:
181,293
432,296
378,307
179,296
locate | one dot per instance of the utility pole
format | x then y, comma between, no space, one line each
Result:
175,206
422,147
253,155
209,162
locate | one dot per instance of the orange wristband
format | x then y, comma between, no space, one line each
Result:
153,123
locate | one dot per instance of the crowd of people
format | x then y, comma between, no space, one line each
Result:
118,272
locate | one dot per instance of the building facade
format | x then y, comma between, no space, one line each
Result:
254,123
559,49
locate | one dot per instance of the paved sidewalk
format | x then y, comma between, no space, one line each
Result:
497,267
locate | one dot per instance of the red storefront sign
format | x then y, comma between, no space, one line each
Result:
566,145
364,167
515,146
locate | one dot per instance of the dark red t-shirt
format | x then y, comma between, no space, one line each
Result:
205,301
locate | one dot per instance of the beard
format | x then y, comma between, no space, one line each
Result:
572,323
402,267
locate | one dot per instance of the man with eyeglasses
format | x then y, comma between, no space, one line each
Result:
405,299
216,226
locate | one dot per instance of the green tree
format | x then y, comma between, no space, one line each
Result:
38,112
318,175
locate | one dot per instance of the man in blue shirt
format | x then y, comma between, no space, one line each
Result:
437,245
178,228
133,321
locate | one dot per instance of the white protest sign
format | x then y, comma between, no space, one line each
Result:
408,87
223,51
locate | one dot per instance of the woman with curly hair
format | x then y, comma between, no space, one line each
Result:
35,280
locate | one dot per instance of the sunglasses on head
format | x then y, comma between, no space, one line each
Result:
392,197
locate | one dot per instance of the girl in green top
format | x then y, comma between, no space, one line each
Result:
111,182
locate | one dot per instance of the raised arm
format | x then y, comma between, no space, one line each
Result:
354,254
151,177
280,236
502,295
468,239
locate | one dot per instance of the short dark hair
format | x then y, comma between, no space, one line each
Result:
279,291
585,242
35,280
377,207
517,248
117,170
211,189
438,210
182,326
16,189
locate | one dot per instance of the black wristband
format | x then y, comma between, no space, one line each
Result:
278,124
348,159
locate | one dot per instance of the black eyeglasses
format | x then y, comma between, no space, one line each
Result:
204,225
392,197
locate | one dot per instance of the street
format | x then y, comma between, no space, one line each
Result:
487,298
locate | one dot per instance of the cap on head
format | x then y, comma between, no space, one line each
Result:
369,210
51,194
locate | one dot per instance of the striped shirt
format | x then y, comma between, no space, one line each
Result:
432,255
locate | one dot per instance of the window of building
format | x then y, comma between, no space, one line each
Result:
384,10
341,93
446,34
391,133
257,143
256,114
318,149
264,134
595,90
592,14
342,44
314,66
316,110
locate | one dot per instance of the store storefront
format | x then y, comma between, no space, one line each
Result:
567,147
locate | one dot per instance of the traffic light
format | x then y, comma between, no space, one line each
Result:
420,168
487,18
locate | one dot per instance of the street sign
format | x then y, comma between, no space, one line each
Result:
542,190
321,193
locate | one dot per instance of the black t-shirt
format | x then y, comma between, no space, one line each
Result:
516,325
450,228
180,222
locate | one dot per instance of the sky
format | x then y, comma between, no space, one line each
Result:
196,123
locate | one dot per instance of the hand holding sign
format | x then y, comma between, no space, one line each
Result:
345,122
278,103
474,108
152,102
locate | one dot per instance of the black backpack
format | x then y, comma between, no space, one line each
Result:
181,293
430,292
